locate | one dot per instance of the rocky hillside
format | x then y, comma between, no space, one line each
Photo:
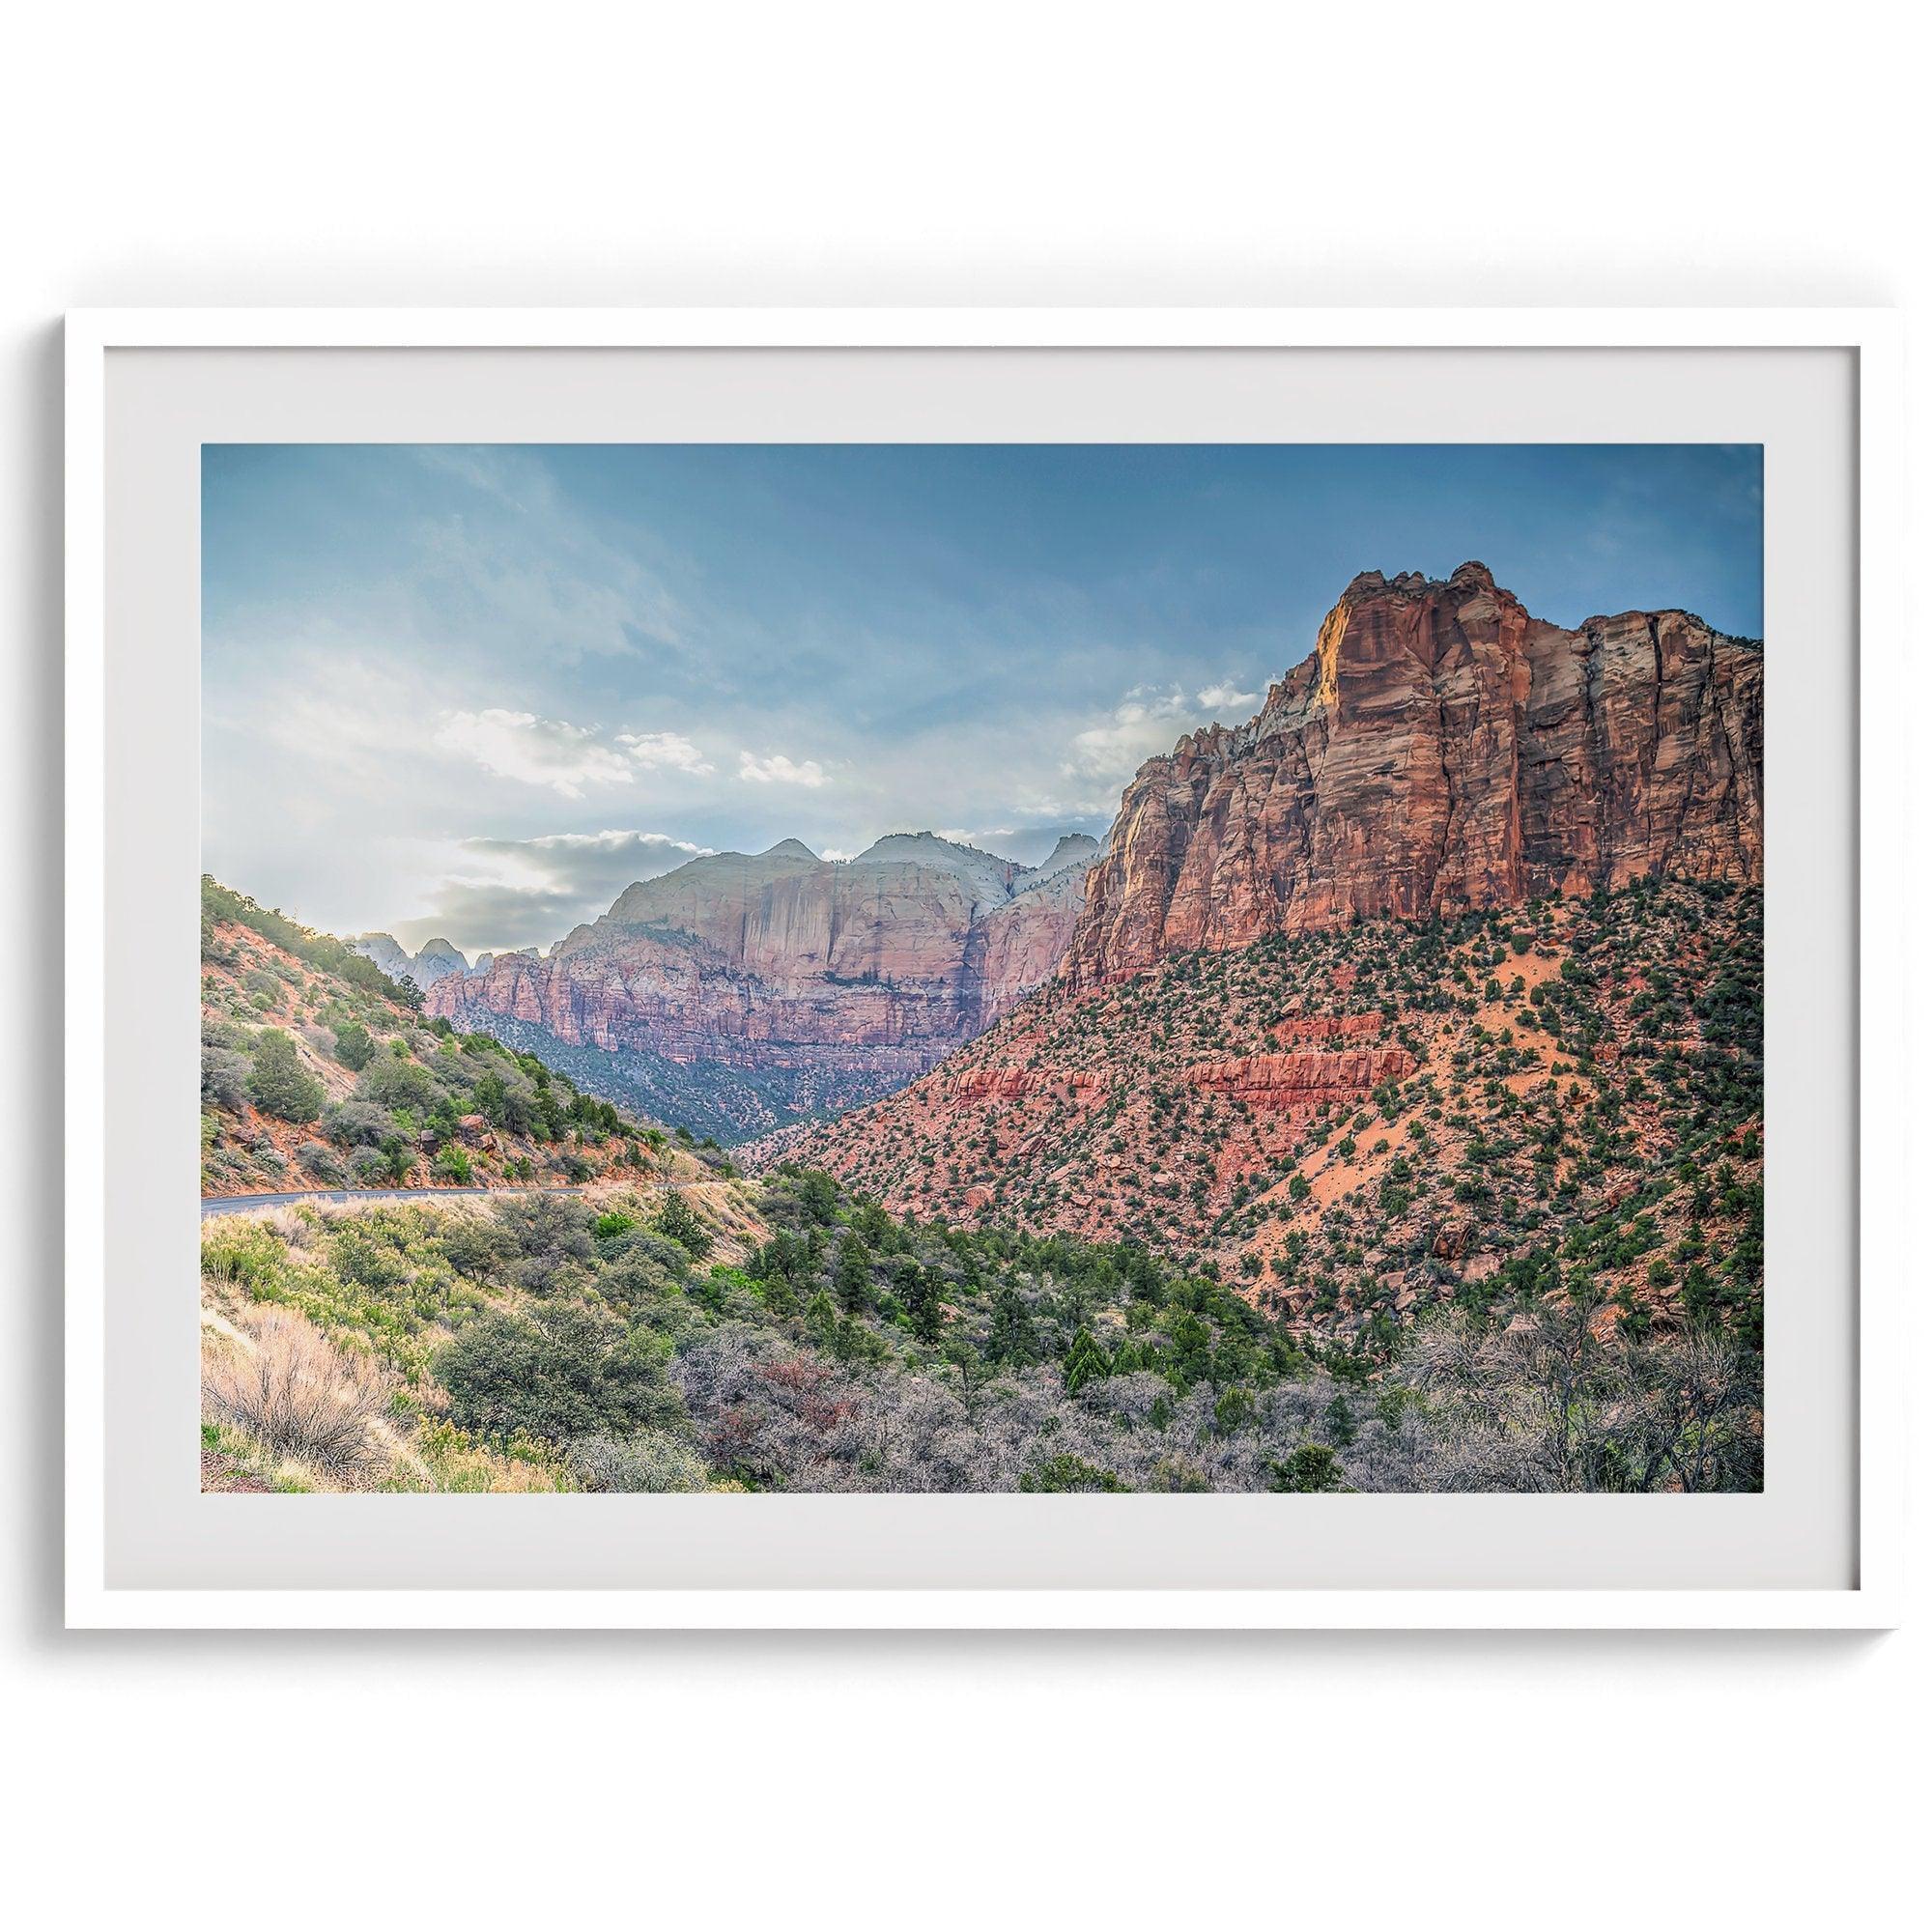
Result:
318,1071
740,992
1356,1124
1440,751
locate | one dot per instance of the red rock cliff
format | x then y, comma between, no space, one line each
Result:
785,960
1440,751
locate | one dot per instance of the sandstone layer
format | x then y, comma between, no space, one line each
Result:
1441,750
782,961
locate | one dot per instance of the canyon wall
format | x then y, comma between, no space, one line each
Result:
1441,750
861,973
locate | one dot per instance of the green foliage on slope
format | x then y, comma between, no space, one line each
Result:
668,1341
299,1033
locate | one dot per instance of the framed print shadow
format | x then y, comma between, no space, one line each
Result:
975,968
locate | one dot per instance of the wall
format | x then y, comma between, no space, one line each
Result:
840,154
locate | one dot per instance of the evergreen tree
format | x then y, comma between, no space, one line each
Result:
854,1277
352,1045
280,1084
1340,1422
1011,1339
1084,1362
677,1222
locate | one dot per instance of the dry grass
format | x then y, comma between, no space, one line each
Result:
286,1388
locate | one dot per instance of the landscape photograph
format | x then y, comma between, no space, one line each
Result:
982,968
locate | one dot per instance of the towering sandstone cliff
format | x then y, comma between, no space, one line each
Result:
828,982
1440,751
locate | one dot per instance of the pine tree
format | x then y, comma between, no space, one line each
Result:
280,1084
676,1222
1010,1338
1084,1363
854,1278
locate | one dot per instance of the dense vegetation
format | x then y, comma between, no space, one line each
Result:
793,1337
710,1101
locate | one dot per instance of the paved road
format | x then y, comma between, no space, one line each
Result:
237,1203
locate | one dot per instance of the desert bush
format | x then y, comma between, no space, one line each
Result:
551,1235
241,1252
391,1082
677,1222
370,1166
650,1462
453,1164
323,1163
224,1076
1064,1475
476,1249
354,1046
562,1375
285,1386
356,1123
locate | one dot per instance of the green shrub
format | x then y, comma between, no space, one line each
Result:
323,1163
392,1082
354,1046
677,1220
224,1076
1070,1475
357,1124
1313,1469
280,1084
652,1462
561,1376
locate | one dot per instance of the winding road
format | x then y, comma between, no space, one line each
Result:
238,1204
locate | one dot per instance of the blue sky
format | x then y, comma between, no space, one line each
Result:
476,692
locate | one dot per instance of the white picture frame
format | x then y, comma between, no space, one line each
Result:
1871,1599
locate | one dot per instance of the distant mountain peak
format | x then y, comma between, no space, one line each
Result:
915,845
437,958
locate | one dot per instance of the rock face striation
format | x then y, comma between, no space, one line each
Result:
823,982
1441,750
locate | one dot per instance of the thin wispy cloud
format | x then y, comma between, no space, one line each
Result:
534,751
1145,722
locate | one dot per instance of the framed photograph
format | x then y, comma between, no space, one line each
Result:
984,969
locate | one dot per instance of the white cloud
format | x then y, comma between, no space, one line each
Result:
534,751
778,769
1225,698
562,853
653,749
1143,723
1148,719
500,894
